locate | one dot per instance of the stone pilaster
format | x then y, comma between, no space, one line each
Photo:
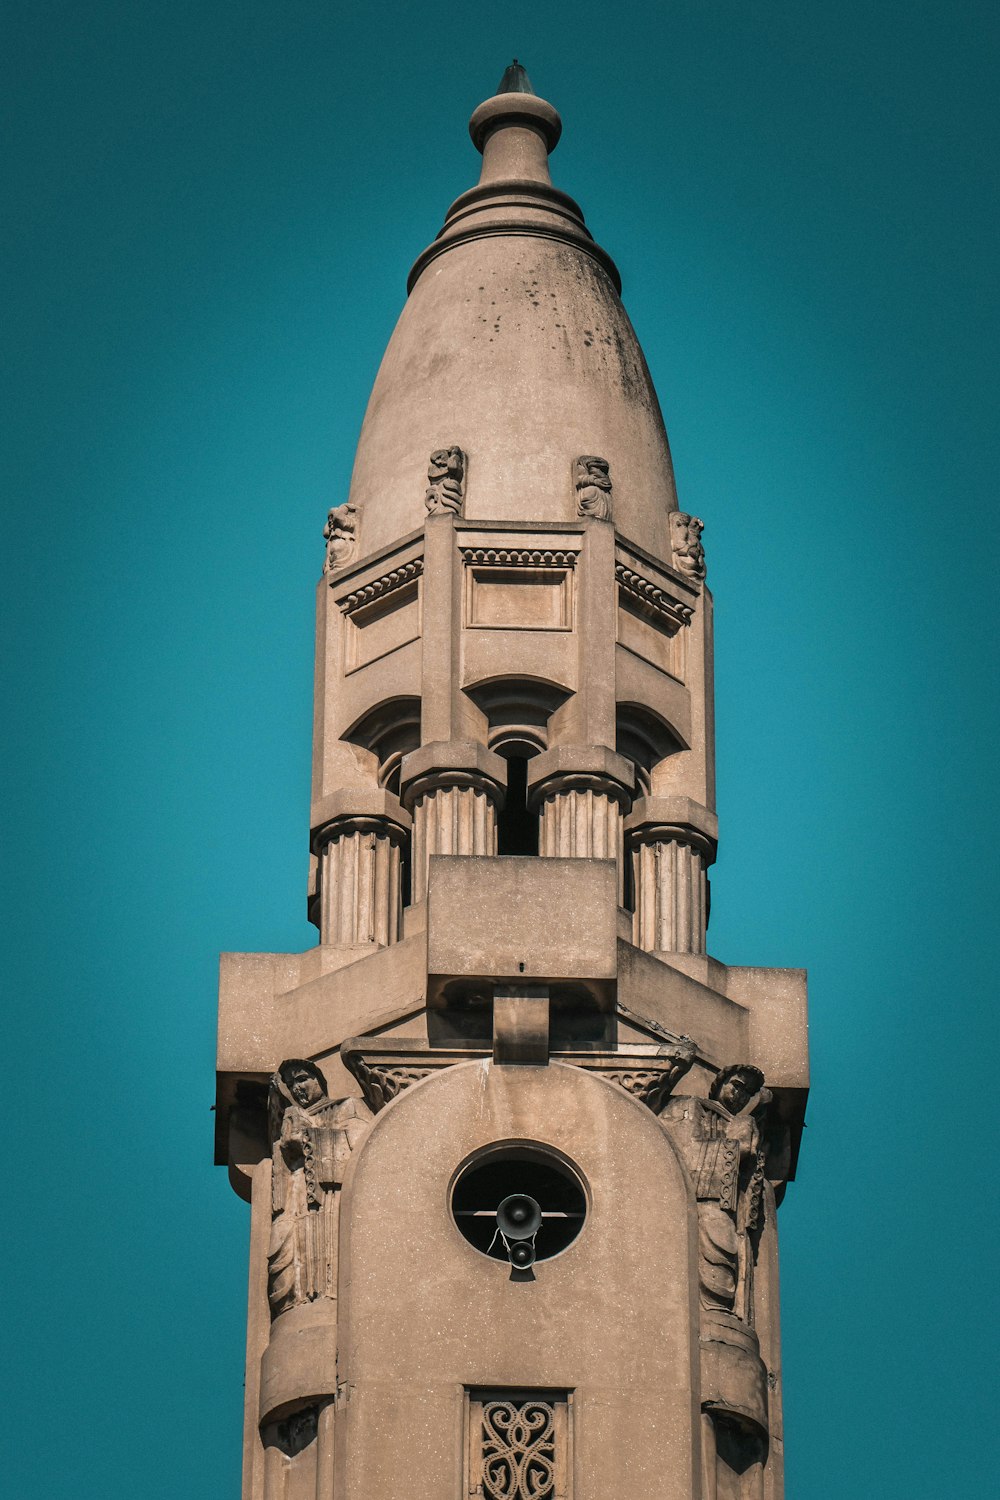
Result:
582,794
671,841
454,790
358,837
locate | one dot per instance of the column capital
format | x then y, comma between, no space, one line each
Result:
581,768
453,763
358,809
678,820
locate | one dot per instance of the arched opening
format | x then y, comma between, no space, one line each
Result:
390,731
518,706
645,739
517,711
517,824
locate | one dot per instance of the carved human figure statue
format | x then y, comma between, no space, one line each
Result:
312,1139
686,545
592,477
719,1139
446,488
341,533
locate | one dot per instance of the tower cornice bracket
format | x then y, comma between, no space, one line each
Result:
521,1025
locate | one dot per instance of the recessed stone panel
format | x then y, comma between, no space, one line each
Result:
522,919
519,598
375,629
651,635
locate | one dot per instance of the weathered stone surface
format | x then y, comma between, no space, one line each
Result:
522,919
605,1320
512,824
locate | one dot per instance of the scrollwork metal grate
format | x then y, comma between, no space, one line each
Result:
518,1444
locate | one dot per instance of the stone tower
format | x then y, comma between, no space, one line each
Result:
513,1142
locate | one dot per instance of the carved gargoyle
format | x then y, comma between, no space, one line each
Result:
720,1140
445,493
341,533
685,543
592,478
312,1137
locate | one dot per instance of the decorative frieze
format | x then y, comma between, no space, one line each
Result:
385,1067
520,557
671,613
382,588
382,1081
653,1085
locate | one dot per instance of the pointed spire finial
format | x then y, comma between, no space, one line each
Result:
515,80
515,130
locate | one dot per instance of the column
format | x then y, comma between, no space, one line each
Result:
582,794
358,837
454,790
672,842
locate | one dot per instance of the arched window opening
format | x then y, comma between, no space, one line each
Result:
645,739
520,707
517,824
517,711
389,731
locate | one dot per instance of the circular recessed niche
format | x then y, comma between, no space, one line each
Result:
493,1175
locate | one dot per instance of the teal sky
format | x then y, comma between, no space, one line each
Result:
211,210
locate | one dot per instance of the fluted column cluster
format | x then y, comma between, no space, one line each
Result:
359,841
672,841
454,792
582,795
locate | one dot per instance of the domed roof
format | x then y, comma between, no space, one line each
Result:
515,347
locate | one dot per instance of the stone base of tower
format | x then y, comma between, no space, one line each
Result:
369,1387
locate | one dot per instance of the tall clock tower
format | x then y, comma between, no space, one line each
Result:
512,1140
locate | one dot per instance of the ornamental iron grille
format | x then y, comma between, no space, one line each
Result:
518,1445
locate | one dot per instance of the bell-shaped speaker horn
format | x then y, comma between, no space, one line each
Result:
519,1217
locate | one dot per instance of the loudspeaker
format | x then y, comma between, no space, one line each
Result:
519,1218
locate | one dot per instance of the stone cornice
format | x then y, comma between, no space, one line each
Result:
519,557
652,597
385,1067
381,588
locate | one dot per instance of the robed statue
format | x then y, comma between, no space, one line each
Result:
312,1139
719,1139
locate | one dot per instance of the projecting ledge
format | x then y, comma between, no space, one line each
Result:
524,920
